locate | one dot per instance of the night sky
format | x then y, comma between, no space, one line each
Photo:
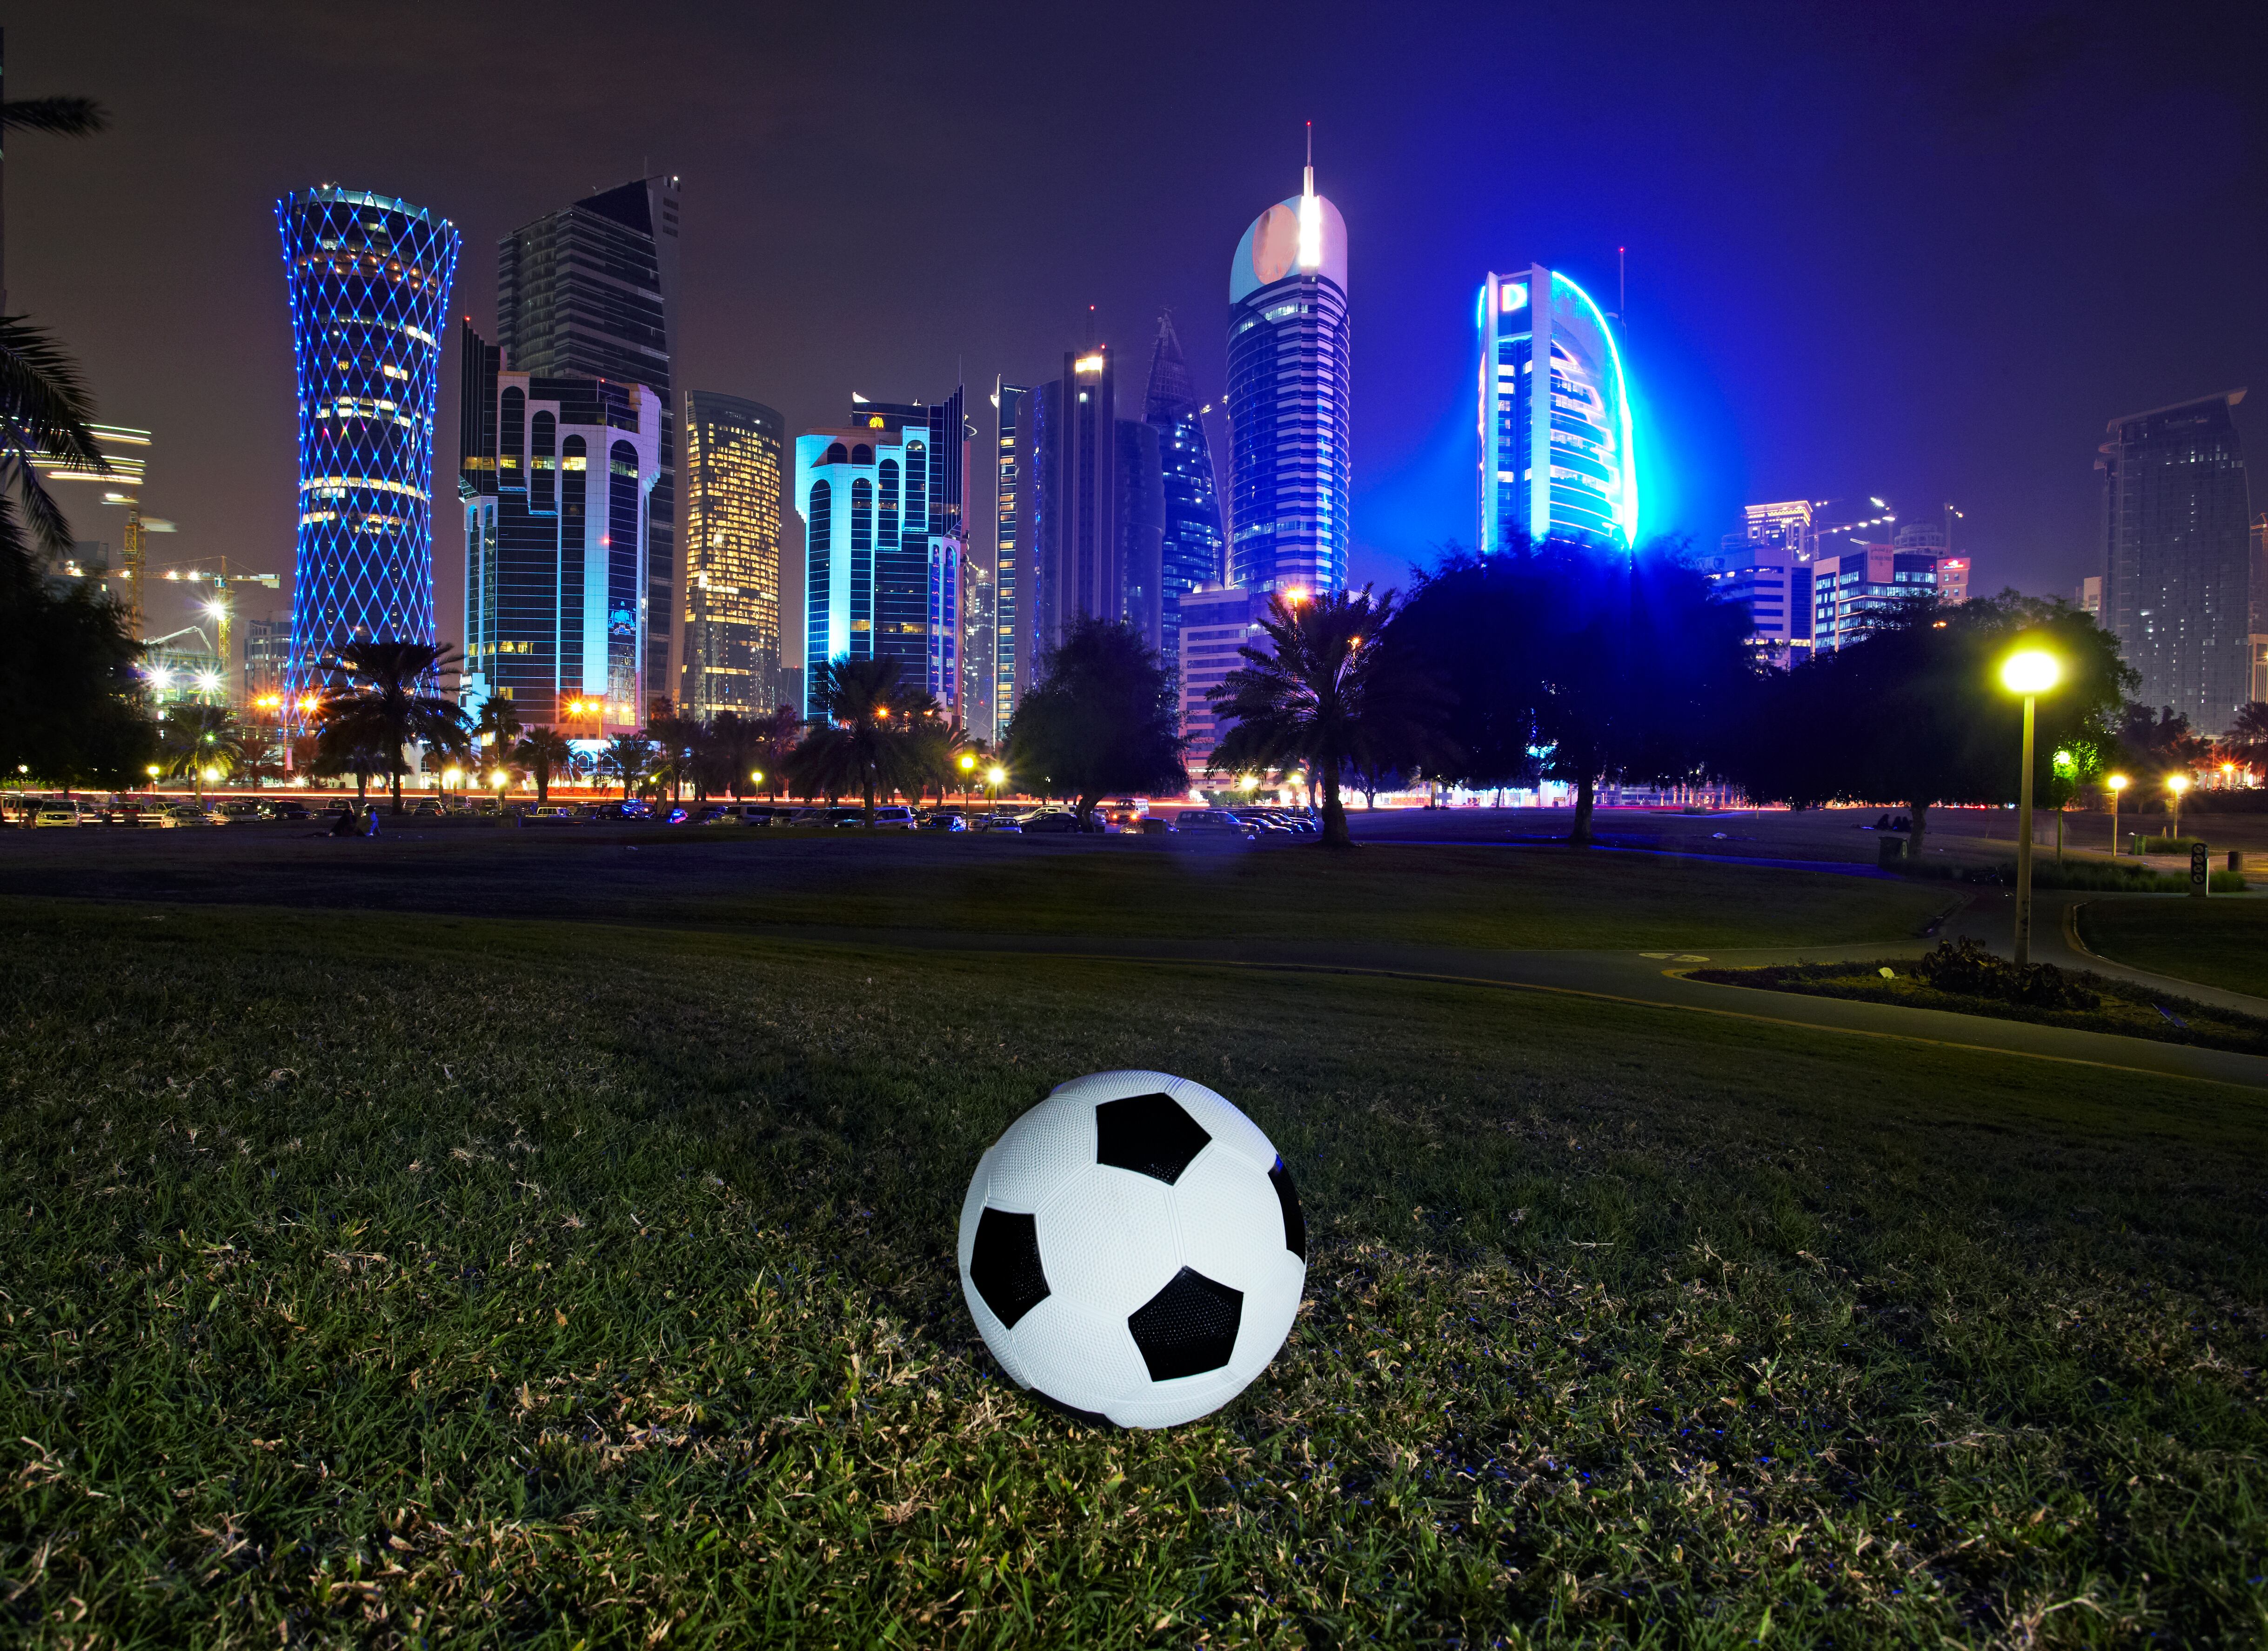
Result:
1919,250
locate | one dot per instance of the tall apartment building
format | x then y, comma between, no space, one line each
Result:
1011,406
1191,539
1570,470
2178,587
1090,512
731,643
921,598
558,477
368,279
590,291
1289,377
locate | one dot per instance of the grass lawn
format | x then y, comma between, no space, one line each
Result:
2218,942
1476,896
394,1280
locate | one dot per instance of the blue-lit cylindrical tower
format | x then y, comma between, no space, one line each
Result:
1288,416
368,279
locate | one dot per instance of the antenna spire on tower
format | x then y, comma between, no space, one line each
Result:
1310,188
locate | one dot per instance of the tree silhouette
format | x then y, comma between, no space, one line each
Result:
1102,720
543,752
385,699
873,737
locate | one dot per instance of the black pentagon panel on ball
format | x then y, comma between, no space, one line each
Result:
1091,1418
1004,1264
1188,1327
1295,1225
1149,1134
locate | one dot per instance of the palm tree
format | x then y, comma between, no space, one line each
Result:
1306,699
676,742
543,750
873,738
777,735
629,756
499,728
194,738
386,702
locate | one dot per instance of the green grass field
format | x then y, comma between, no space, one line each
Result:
2217,942
401,1279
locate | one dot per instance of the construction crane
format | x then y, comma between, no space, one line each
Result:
223,576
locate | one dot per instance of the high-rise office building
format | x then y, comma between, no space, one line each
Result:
919,582
368,279
2256,636
1766,568
1851,591
1090,512
558,477
1190,539
1216,623
730,648
881,579
1010,405
1936,539
2177,557
1571,474
1289,354
267,658
590,291
2090,596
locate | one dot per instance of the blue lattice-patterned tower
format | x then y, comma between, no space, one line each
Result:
368,277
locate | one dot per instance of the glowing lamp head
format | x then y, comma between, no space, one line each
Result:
994,775
2030,671
2177,784
2116,782
450,776
151,771
499,779
211,774
756,776
966,762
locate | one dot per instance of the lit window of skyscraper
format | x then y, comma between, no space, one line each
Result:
1011,403
1572,474
733,450
369,280
1288,376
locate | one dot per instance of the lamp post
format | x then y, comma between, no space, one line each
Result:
993,776
2031,673
968,771
2177,784
2118,782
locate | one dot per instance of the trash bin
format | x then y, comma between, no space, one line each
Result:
2237,860
1890,851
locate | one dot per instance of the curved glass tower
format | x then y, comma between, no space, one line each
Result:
369,280
1288,348
1570,475
1190,557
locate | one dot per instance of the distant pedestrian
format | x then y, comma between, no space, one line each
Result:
370,823
346,825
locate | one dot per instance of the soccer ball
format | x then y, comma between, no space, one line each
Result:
1132,1251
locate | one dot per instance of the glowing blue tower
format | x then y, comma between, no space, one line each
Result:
368,279
1572,474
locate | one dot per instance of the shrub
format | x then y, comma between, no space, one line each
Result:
1965,968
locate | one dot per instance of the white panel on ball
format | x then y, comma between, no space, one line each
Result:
1132,1248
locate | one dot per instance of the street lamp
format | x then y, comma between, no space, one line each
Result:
993,776
2030,672
2177,784
967,768
2118,782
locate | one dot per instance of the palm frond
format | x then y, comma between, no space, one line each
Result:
58,117
44,396
43,518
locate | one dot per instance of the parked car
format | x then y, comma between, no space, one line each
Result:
619,813
944,820
1259,820
887,817
128,811
1213,823
810,817
287,809
188,814
1050,821
733,814
543,814
238,809
1012,824
1155,825
58,812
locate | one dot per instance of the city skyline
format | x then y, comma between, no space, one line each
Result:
1798,373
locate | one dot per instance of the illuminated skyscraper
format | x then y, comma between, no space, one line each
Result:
369,280
1288,376
732,452
1766,568
1090,511
1572,474
880,579
590,291
558,475
2177,561
1011,403
1191,539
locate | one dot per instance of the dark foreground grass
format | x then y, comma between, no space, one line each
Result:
2216,942
403,1281
2124,1008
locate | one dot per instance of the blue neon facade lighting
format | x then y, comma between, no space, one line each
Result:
1574,474
368,277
